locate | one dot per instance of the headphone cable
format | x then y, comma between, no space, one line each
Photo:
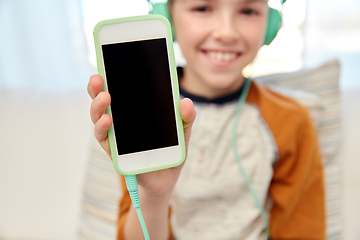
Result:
245,176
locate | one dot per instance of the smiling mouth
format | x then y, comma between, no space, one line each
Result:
222,57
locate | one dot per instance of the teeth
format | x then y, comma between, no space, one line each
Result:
221,56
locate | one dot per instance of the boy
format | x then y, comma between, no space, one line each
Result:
276,140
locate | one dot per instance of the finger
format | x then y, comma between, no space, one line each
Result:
95,85
101,132
99,105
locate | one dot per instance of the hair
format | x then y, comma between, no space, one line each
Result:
169,6
170,3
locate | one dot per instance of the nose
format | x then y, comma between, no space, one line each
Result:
225,29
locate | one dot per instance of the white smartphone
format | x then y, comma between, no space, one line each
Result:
135,57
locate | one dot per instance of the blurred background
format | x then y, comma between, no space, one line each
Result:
46,58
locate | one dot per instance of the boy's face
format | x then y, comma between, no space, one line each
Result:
218,38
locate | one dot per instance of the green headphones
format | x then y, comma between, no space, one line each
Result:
274,20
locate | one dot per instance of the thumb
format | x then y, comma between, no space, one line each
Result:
188,115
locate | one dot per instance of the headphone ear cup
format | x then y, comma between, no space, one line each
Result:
274,24
162,9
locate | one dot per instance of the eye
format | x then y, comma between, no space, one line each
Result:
249,11
202,9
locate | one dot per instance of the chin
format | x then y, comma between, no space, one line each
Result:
224,83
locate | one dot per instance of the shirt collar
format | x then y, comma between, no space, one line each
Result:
218,100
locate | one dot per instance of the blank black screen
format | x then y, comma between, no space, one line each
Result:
139,83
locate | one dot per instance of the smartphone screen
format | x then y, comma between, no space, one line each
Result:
142,105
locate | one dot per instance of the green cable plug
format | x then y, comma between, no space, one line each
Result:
132,186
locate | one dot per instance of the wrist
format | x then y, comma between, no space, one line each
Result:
157,198
158,191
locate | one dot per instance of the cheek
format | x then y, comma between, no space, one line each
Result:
188,36
254,35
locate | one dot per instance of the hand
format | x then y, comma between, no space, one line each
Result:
155,183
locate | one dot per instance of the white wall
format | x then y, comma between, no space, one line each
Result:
350,162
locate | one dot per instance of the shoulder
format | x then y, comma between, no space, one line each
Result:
278,111
270,101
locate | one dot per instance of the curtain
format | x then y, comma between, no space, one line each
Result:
43,45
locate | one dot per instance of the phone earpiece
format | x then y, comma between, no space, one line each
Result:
274,20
